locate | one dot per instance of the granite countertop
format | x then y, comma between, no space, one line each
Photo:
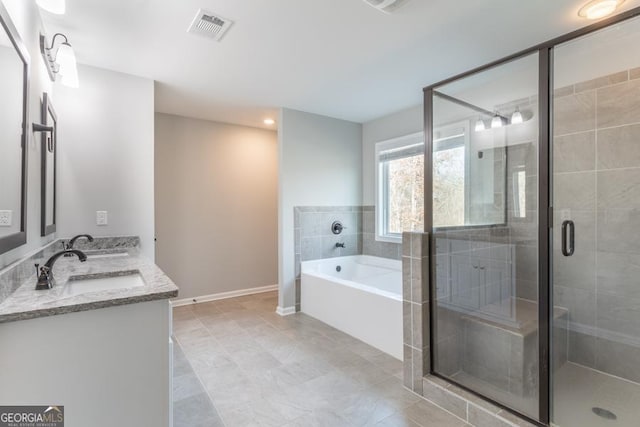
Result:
27,303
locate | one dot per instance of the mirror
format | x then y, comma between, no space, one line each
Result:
49,150
14,77
469,168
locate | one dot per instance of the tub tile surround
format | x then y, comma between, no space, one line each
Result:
415,304
314,239
416,366
597,176
22,301
371,246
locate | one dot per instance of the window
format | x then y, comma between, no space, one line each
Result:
450,177
400,182
520,193
400,187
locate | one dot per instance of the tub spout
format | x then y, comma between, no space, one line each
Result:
340,245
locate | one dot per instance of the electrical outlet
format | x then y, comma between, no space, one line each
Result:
6,218
102,218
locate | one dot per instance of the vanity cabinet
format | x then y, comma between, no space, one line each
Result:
108,367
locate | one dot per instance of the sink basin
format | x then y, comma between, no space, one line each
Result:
106,253
99,282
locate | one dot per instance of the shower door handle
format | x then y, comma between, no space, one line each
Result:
568,238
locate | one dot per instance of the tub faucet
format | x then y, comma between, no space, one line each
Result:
45,273
340,245
69,245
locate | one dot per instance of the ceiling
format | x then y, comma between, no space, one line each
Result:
339,58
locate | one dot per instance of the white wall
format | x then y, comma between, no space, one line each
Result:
26,18
394,125
320,165
105,156
216,205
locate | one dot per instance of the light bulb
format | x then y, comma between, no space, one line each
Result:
66,58
54,6
68,66
269,122
597,9
496,122
70,78
516,117
480,125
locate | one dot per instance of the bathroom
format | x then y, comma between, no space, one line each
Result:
358,234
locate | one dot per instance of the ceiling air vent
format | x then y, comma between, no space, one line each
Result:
209,25
386,6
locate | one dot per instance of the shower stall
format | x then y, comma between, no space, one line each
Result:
533,209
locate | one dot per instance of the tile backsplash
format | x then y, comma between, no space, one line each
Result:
14,275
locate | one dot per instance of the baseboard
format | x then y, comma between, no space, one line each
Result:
223,295
286,311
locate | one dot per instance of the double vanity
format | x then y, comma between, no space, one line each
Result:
98,342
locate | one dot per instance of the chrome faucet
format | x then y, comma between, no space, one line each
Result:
45,273
340,245
69,245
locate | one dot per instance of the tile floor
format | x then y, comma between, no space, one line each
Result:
237,363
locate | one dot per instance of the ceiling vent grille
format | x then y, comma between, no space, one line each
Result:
386,6
210,25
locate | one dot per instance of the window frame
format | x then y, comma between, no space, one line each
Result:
382,194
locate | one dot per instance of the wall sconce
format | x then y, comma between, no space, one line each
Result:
54,6
516,117
497,121
61,62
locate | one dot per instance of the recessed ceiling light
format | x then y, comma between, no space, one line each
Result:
597,9
269,122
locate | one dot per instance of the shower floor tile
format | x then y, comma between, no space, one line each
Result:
579,389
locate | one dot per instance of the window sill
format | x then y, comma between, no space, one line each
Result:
389,239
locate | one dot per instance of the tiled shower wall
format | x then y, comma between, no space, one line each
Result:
597,185
315,240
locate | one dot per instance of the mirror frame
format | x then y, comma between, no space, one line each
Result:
49,144
15,240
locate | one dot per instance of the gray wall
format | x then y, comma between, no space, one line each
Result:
106,156
320,165
216,205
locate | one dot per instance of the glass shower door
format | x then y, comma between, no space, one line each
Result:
485,233
596,230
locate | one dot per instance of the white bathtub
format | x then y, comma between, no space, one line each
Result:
363,299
